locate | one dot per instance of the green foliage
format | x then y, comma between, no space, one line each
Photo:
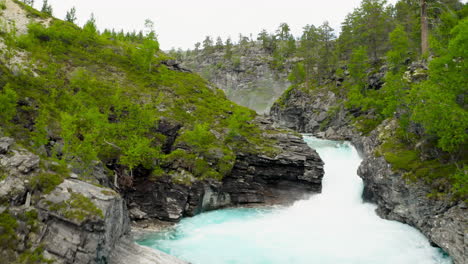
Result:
436,105
8,99
46,182
33,257
2,5
8,225
46,8
398,154
71,15
366,125
368,25
460,183
399,46
298,74
358,96
78,207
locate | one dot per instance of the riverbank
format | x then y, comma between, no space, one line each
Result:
442,220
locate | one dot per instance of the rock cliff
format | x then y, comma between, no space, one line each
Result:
74,222
247,79
294,171
443,221
322,113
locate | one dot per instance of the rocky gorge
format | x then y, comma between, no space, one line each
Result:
322,112
82,222
294,171
246,77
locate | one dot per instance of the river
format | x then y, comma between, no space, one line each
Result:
334,227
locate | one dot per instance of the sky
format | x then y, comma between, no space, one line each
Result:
182,23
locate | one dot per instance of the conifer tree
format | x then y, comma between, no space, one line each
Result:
71,15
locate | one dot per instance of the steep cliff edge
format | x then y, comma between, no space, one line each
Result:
74,222
290,172
443,221
390,185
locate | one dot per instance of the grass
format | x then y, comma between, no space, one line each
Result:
444,178
78,207
46,182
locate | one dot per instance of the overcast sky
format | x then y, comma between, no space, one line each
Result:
182,23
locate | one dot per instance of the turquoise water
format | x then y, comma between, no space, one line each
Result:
334,227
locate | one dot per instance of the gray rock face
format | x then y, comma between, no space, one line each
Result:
318,112
87,240
78,222
5,144
126,251
16,167
444,222
250,81
295,172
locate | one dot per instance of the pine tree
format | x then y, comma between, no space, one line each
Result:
71,15
46,8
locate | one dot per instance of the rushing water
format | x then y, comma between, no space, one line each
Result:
334,227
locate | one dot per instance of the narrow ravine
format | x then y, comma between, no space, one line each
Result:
330,228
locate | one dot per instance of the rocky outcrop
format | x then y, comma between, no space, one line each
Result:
295,171
319,112
443,221
247,78
77,222
83,222
126,251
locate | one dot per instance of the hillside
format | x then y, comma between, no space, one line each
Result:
100,126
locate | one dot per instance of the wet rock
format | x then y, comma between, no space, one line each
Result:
126,251
295,170
444,222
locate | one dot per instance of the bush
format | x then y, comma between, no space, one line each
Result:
46,182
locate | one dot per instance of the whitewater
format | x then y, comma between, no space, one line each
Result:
334,227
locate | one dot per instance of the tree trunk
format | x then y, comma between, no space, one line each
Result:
424,28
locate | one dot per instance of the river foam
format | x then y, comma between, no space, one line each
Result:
334,227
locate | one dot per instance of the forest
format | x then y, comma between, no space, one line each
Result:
428,37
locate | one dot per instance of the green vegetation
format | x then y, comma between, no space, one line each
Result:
104,94
8,225
78,207
33,257
46,182
376,45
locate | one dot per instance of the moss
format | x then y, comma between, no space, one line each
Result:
34,257
444,178
156,173
78,207
108,192
8,225
46,182
3,175
365,125
399,155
